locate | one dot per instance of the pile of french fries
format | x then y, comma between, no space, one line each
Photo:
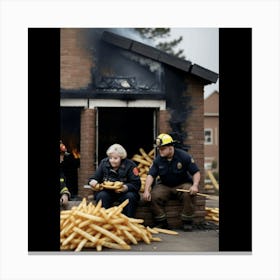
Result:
108,185
144,161
94,227
212,214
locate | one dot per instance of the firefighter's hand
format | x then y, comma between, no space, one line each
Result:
123,189
64,200
93,183
193,189
147,195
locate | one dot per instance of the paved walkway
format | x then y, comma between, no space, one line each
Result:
197,241
184,242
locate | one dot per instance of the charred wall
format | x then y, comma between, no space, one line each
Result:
185,107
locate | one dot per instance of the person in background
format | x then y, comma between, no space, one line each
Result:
64,192
175,169
116,167
69,165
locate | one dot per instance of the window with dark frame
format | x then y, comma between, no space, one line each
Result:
208,136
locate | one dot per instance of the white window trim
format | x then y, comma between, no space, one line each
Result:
211,131
94,103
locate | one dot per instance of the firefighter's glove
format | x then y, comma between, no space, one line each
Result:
64,200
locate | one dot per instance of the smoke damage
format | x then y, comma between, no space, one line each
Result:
119,67
118,70
121,71
178,105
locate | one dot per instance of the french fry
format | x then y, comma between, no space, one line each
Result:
156,239
134,228
81,245
117,209
97,207
118,183
98,247
142,171
85,235
138,221
108,233
145,237
130,237
69,238
137,156
117,221
151,230
111,185
212,214
215,218
90,217
145,162
167,231
108,183
116,246
214,211
145,156
151,153
84,223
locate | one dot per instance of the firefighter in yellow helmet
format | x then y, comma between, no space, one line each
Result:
163,140
174,168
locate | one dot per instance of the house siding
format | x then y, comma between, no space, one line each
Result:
211,120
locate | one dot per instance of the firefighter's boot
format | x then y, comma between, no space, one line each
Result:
188,225
161,224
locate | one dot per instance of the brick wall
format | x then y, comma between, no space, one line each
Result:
195,125
163,118
75,59
87,149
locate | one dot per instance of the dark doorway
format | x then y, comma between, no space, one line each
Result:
70,119
70,126
133,128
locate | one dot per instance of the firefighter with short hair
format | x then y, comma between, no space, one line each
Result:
174,168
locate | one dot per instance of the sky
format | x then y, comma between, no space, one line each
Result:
201,46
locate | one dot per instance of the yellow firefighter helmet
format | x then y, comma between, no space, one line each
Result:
163,140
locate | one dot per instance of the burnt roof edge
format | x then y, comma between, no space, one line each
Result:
151,52
89,94
204,73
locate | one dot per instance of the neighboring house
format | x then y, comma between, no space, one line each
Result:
211,131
